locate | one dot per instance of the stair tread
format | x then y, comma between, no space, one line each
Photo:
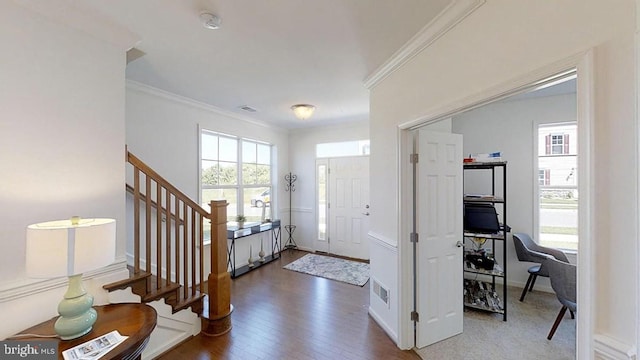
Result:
121,284
192,300
166,288
170,291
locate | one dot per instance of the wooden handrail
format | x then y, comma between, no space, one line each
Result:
133,160
179,253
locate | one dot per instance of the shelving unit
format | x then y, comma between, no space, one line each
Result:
481,290
234,233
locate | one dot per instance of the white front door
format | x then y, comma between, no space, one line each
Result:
348,208
439,227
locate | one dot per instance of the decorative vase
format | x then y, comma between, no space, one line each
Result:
240,224
261,253
250,260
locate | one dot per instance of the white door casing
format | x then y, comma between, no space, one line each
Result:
439,226
349,206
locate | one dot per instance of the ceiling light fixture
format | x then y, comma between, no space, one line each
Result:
303,111
210,21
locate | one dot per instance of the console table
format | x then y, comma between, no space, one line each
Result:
234,233
136,321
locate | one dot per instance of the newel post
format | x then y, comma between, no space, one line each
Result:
216,317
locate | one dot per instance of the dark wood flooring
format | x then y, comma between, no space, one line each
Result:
282,314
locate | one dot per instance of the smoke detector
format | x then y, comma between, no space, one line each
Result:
209,20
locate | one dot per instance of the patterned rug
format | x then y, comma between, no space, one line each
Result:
351,272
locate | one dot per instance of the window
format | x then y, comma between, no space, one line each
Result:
557,215
321,179
239,171
345,148
557,144
543,176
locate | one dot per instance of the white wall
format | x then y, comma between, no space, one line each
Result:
163,131
505,40
302,163
510,126
61,142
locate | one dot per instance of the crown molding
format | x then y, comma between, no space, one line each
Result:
137,86
440,25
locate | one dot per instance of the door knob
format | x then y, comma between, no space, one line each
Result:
459,244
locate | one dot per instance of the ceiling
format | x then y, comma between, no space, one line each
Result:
269,55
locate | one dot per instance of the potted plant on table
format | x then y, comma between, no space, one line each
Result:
240,219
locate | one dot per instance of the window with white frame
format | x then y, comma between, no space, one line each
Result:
557,215
239,171
543,176
557,144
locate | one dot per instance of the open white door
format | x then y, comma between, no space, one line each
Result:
439,301
349,206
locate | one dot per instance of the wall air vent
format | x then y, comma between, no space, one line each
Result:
381,292
248,108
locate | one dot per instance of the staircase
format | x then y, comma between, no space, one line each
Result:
169,233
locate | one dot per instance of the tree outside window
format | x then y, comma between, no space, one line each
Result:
236,170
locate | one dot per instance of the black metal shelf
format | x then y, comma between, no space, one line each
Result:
484,165
497,270
488,299
483,199
482,296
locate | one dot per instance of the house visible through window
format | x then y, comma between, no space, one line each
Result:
557,144
237,170
557,215
543,176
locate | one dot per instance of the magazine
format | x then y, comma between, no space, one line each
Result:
94,348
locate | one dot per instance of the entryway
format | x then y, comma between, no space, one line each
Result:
342,193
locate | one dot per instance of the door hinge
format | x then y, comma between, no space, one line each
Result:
415,316
413,237
413,158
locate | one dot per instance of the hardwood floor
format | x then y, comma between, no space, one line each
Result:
282,314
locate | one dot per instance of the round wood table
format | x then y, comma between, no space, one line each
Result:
136,321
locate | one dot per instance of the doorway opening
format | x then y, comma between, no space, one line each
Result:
582,93
342,198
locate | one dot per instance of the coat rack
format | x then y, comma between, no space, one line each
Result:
289,186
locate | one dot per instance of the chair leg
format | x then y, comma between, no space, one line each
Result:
557,322
533,281
526,286
573,316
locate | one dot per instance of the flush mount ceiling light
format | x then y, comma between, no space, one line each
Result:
209,20
303,111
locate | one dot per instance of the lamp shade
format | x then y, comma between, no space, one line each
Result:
70,247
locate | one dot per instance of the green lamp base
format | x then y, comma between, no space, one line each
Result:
76,313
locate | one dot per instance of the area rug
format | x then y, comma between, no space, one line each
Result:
351,272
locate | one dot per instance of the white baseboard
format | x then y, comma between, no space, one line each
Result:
383,325
608,348
537,287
